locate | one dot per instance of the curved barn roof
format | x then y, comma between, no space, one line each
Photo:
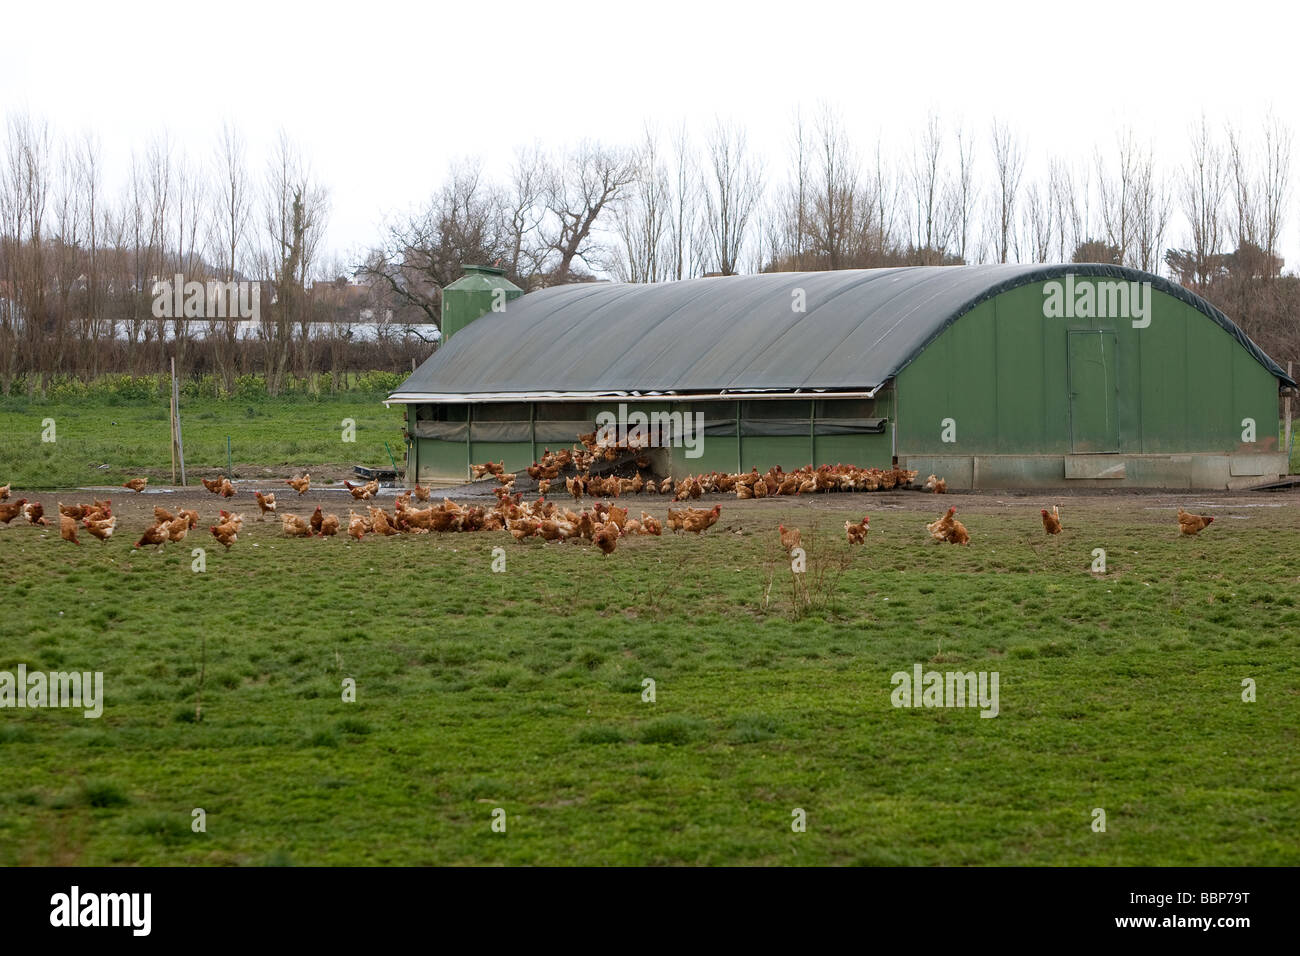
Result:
733,334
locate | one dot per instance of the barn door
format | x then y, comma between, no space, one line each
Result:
1094,392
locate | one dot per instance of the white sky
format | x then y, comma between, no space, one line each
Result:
381,97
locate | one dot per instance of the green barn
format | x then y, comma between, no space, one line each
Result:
994,376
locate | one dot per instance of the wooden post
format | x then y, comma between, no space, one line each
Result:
171,420
1286,414
176,420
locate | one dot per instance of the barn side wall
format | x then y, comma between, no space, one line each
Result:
446,439
999,380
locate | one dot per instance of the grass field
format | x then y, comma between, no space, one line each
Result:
522,690
133,438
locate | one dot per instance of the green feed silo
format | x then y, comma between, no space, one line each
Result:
482,289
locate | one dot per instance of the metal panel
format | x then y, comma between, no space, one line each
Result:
859,329
1094,391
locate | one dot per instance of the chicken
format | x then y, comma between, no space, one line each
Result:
356,525
226,533
162,515
228,518
957,534
696,521
857,533
213,484
265,504
632,526
316,520
329,526
362,492
421,494
1189,523
4,492
68,529
605,537
178,528
191,516
937,485
34,513
154,534
301,485
543,487
380,523
11,511
651,525
101,529
789,537
1051,520
227,489
939,529
617,516
523,528
136,484
294,526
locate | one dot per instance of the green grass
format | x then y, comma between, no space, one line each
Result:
523,691
133,438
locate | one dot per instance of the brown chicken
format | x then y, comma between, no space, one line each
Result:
329,526
226,533
356,525
136,484
857,533
68,529
301,485
1051,520
789,537
939,529
937,485
213,484
696,521
34,513
957,533
1189,523
421,494
227,489
191,516
359,492
11,511
295,527
265,504
4,492
605,537
154,534
651,525
316,520
101,528
178,528
380,523
162,515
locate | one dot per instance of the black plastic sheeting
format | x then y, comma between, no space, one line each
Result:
858,330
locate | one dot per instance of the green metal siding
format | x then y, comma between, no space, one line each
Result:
1002,372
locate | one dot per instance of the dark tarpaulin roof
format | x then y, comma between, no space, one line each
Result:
736,333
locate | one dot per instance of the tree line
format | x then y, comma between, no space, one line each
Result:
80,267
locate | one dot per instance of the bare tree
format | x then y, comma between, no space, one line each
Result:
1203,184
1008,165
588,182
643,219
732,189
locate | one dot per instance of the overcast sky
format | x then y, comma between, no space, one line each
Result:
381,97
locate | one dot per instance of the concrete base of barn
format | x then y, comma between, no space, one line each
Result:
1204,471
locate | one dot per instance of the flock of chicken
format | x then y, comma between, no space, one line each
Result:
602,524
